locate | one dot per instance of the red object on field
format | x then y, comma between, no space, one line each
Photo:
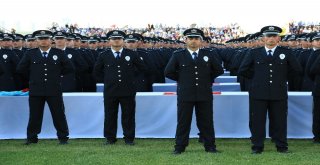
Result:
25,90
169,93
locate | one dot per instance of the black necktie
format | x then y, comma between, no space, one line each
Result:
118,55
269,56
195,55
45,54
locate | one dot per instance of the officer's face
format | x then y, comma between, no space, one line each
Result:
93,45
271,40
316,43
116,42
17,44
76,43
107,44
100,44
193,43
34,44
70,43
44,42
292,43
60,42
7,44
131,44
84,45
304,44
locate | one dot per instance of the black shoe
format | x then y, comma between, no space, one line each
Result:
212,150
130,143
256,151
63,142
28,142
316,140
177,152
109,142
282,150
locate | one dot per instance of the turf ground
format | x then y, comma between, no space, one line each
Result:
151,152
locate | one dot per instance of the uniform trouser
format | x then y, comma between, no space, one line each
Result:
316,118
278,111
111,105
56,106
270,123
204,113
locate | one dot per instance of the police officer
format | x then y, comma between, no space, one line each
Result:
117,65
8,81
18,43
194,69
70,82
313,71
268,68
46,65
143,80
30,41
89,84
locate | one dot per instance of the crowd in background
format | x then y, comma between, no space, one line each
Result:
299,27
217,34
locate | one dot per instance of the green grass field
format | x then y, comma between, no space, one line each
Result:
152,151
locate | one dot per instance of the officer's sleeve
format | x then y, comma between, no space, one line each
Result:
235,63
310,62
217,55
98,68
15,61
1,69
150,66
81,63
295,67
315,67
216,68
171,70
139,63
246,67
24,64
67,66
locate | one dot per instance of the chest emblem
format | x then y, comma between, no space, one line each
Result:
69,56
5,56
205,58
55,57
127,58
282,56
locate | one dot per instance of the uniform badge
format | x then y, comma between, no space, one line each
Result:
141,58
55,57
5,56
69,56
205,58
282,56
127,58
